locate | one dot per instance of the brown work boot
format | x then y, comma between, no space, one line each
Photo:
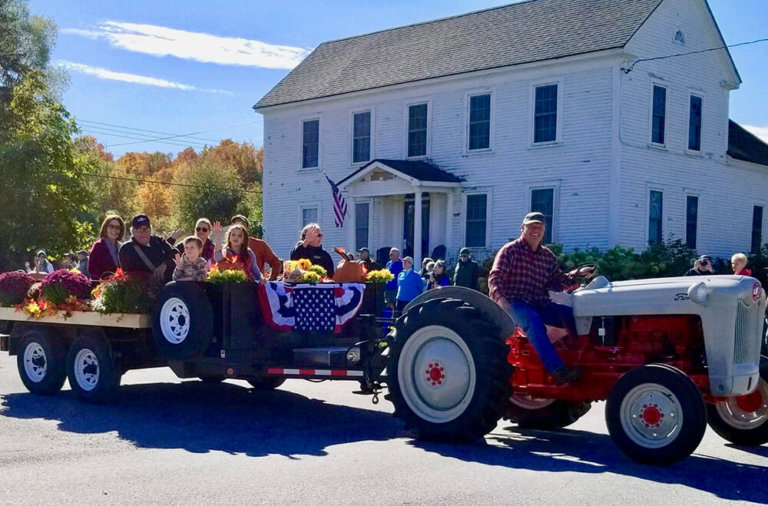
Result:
563,375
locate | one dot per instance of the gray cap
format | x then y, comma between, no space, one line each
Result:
534,217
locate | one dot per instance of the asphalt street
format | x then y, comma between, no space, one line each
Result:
167,441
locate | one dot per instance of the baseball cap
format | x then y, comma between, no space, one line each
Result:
41,253
140,220
408,259
464,251
705,259
534,217
364,250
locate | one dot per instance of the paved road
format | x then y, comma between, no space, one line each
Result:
170,442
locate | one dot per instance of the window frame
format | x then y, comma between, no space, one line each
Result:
301,145
352,136
651,142
427,137
688,148
468,124
304,207
558,113
752,248
648,242
369,203
466,197
550,229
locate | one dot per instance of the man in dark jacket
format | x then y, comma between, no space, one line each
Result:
466,270
310,247
146,252
368,262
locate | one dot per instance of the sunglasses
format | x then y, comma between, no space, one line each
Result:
202,229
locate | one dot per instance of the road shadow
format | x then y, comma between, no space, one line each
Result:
586,452
200,417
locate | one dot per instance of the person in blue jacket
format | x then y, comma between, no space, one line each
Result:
409,285
395,266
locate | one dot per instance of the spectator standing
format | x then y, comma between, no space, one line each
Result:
739,265
82,261
409,285
261,250
467,270
69,261
147,253
42,265
701,267
438,277
395,266
103,257
426,268
368,262
310,246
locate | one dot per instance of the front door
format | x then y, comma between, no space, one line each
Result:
408,217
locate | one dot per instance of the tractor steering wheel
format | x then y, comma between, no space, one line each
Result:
583,272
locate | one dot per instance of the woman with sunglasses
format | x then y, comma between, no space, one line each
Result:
103,256
203,231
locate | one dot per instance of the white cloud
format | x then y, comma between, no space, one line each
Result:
760,132
111,75
162,41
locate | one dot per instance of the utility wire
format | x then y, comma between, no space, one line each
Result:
130,135
169,183
629,69
128,129
181,135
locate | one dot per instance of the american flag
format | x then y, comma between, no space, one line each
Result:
339,204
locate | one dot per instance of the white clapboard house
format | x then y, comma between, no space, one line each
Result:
446,133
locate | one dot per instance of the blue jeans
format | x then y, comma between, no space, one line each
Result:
532,319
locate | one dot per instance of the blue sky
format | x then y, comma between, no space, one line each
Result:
145,68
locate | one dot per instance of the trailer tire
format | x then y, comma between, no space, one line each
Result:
743,420
93,374
656,414
447,374
265,384
182,321
42,361
544,414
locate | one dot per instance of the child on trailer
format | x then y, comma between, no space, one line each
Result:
235,254
191,266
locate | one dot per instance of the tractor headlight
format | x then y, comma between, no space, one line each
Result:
698,292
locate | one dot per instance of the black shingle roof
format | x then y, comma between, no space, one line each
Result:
423,171
524,32
744,145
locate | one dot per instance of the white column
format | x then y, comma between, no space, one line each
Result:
417,231
448,222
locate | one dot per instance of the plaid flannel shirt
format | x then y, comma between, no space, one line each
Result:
521,274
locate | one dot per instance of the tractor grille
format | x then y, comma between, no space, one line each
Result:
744,350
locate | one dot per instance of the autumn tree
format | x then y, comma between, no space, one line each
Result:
244,158
207,190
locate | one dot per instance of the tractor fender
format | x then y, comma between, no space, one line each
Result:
483,303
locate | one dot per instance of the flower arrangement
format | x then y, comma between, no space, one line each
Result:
219,276
60,285
304,271
14,287
122,293
319,270
380,276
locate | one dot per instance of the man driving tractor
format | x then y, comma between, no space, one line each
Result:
523,273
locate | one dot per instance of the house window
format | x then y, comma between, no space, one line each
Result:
480,122
476,220
309,215
545,114
543,201
691,220
655,212
417,130
659,114
757,229
361,137
310,142
362,220
694,124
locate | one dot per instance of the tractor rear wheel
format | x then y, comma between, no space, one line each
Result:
534,413
743,420
656,414
447,374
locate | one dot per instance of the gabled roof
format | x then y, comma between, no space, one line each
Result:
744,145
530,31
412,169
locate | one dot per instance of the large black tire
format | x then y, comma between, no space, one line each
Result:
743,420
545,414
93,374
266,383
42,361
182,321
656,414
447,373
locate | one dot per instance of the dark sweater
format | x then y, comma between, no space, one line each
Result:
158,251
316,255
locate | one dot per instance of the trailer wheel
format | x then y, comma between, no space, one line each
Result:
743,420
447,375
42,361
182,321
93,374
534,413
656,414
266,383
